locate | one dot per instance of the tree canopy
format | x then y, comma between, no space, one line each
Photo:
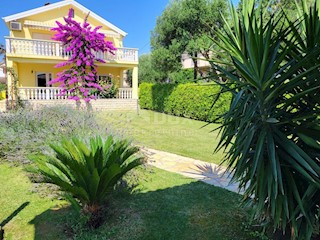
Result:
185,26
146,71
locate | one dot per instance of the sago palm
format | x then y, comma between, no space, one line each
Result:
88,171
272,131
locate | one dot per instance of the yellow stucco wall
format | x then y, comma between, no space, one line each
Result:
50,17
27,72
27,67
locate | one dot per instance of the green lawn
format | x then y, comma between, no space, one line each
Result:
165,206
164,132
16,190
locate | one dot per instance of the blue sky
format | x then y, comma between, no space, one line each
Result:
136,17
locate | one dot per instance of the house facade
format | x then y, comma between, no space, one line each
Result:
203,65
32,53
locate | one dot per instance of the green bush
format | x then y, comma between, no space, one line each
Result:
185,100
88,170
26,131
3,87
182,76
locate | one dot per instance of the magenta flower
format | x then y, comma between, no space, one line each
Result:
83,43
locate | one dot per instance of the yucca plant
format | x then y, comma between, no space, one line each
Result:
88,171
271,134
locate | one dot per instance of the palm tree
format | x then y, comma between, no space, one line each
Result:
88,171
271,133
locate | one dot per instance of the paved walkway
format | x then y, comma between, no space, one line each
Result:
206,172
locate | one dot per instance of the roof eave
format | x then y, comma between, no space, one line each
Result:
62,4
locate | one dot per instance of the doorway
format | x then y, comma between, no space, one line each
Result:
43,78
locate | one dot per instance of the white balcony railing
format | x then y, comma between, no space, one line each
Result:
54,93
125,93
32,47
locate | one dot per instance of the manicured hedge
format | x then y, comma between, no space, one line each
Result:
186,100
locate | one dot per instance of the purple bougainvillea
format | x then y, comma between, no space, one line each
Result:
83,44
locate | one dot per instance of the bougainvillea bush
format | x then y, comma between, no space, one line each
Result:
82,42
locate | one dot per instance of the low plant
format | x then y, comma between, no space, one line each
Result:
3,87
109,88
87,171
28,131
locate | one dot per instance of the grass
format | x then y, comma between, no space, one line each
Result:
16,189
165,206
178,135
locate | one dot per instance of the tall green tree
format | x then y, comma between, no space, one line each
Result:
185,27
147,72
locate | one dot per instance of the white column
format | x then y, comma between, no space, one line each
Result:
135,83
8,46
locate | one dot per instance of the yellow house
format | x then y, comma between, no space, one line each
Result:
32,53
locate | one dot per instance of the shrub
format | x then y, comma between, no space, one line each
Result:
109,88
3,87
186,100
88,171
182,76
272,131
29,131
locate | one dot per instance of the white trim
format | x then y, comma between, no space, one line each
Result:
62,4
38,25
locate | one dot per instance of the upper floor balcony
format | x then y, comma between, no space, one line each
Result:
20,47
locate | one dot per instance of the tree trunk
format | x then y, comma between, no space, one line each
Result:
195,66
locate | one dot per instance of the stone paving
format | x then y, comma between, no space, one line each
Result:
209,173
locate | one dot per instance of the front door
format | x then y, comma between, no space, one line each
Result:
43,78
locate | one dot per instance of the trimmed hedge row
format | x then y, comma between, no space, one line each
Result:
185,100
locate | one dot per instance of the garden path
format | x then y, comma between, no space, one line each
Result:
209,173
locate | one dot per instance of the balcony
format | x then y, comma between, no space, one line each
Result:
54,93
53,49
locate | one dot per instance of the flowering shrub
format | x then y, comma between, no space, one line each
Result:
110,90
27,131
82,42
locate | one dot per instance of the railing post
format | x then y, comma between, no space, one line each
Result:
136,56
47,91
57,49
8,45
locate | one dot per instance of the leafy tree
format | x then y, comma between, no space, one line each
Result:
87,171
271,133
83,43
147,72
185,27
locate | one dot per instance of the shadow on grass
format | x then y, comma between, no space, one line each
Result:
190,211
10,217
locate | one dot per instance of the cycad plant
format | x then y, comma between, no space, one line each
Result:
88,171
271,133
